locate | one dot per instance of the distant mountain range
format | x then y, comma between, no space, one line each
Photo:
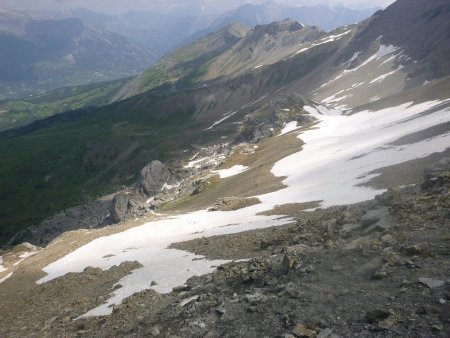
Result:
46,53
324,17
48,50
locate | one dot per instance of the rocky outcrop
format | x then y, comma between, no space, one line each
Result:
119,207
153,177
273,116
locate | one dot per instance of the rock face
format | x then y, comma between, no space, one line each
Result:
119,207
153,177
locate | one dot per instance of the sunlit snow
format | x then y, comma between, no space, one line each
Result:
234,170
2,268
6,277
290,126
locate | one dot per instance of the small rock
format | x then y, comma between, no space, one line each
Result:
154,331
303,332
431,282
387,238
325,333
375,316
221,311
442,301
380,274
373,216
437,327
391,259
180,288
336,268
416,250
255,298
290,263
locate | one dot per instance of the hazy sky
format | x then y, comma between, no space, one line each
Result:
207,6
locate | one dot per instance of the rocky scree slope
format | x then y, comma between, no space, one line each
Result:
373,268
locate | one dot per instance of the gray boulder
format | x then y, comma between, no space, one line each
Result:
153,177
119,207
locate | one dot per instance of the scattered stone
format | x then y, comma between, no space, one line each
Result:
255,298
290,263
416,250
373,216
325,333
431,282
336,267
391,259
437,327
181,288
302,331
188,300
154,331
387,238
375,316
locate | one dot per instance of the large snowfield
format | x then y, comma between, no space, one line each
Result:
338,155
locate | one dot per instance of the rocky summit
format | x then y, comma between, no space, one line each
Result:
268,180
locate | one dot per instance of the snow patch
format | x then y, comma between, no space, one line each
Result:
324,40
2,268
382,52
382,77
234,170
354,57
227,116
290,126
196,163
24,256
6,277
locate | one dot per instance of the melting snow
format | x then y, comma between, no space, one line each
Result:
382,52
290,126
195,164
24,256
2,268
234,170
226,116
6,277
336,158
382,77
324,40
354,57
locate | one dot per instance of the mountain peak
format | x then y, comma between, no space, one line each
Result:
287,25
